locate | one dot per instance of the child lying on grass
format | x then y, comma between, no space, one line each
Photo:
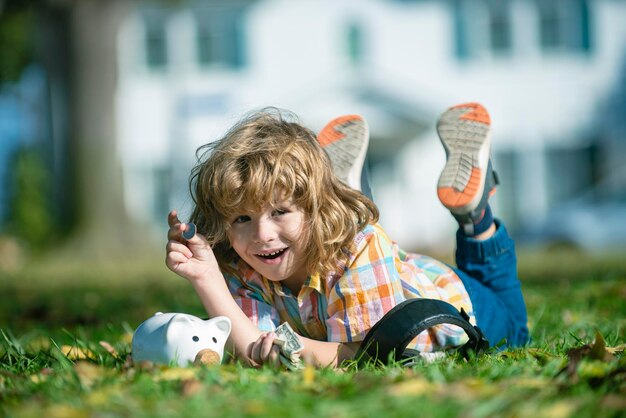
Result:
284,236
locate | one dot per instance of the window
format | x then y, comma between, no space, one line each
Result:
564,25
482,28
499,26
155,39
355,43
549,24
569,171
220,37
461,40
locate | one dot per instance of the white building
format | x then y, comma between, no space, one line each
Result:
541,67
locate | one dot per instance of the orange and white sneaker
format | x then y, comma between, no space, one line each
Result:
345,139
467,180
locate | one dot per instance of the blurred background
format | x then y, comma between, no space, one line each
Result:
104,102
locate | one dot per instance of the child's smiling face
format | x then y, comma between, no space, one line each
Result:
271,242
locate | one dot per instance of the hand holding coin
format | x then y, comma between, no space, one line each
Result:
190,231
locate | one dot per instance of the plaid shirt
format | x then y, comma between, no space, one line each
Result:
345,305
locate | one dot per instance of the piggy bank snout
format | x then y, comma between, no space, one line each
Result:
207,357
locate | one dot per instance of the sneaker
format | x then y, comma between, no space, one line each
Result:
345,140
468,179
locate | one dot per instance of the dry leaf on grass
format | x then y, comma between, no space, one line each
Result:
190,387
89,373
617,349
176,373
77,353
109,348
412,387
588,361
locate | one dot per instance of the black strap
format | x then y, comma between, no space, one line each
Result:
405,321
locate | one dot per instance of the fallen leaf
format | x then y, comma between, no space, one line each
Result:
98,398
529,382
308,375
598,349
38,378
42,376
88,373
109,348
65,411
618,349
228,374
413,387
254,407
575,356
39,343
176,373
77,353
190,387
473,388
560,409
127,338
102,396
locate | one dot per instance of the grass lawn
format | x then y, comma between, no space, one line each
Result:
47,308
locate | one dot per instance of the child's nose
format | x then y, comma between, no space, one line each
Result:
265,231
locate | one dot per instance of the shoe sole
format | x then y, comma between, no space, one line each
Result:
345,140
464,131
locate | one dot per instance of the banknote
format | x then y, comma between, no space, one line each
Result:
290,346
287,339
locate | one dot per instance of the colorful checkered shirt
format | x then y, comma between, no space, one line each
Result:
344,306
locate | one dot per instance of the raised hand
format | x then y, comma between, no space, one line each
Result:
190,258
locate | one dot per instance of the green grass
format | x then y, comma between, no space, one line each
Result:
47,306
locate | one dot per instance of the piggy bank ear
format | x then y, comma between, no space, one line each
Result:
180,326
223,324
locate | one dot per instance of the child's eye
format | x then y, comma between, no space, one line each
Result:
241,219
278,212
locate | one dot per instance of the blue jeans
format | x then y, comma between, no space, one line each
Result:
488,270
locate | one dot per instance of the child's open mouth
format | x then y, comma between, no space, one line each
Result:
272,255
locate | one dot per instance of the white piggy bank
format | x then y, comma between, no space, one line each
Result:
176,338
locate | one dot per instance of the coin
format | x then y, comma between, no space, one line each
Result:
190,232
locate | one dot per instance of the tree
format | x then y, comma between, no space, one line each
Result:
101,214
77,47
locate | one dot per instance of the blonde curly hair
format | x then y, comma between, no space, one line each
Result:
263,156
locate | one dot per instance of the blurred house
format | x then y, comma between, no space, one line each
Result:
543,69
549,72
